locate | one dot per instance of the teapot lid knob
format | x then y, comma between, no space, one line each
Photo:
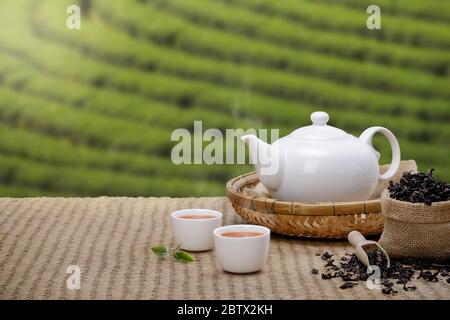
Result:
319,118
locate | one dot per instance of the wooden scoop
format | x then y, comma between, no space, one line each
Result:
363,247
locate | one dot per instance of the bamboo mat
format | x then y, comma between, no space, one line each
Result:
109,239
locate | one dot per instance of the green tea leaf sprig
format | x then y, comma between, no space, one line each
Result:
163,251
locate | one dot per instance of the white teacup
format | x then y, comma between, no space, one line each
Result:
195,234
243,254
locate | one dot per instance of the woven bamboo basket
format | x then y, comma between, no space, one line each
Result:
314,220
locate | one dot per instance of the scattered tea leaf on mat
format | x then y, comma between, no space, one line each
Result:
161,251
351,271
183,256
348,285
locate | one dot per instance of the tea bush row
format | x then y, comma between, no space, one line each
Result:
397,29
282,84
286,33
433,10
293,113
41,115
351,122
23,192
15,171
120,48
56,151
122,105
165,91
81,126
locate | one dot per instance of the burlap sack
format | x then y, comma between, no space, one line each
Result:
415,230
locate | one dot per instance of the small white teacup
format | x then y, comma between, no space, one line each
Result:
242,248
193,228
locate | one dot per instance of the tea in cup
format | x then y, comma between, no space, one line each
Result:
193,228
242,248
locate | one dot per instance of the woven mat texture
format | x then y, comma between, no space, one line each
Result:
109,239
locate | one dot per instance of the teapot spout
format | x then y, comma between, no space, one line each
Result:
267,161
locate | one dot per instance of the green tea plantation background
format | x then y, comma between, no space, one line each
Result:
90,112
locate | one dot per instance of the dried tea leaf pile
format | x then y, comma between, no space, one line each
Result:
416,215
420,188
397,277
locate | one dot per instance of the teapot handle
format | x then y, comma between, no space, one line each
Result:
367,136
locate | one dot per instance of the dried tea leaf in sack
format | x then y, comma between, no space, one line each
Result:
420,188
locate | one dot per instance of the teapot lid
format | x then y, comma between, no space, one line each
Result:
319,130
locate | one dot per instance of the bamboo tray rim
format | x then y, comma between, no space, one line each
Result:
274,206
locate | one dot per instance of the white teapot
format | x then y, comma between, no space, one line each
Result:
321,163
